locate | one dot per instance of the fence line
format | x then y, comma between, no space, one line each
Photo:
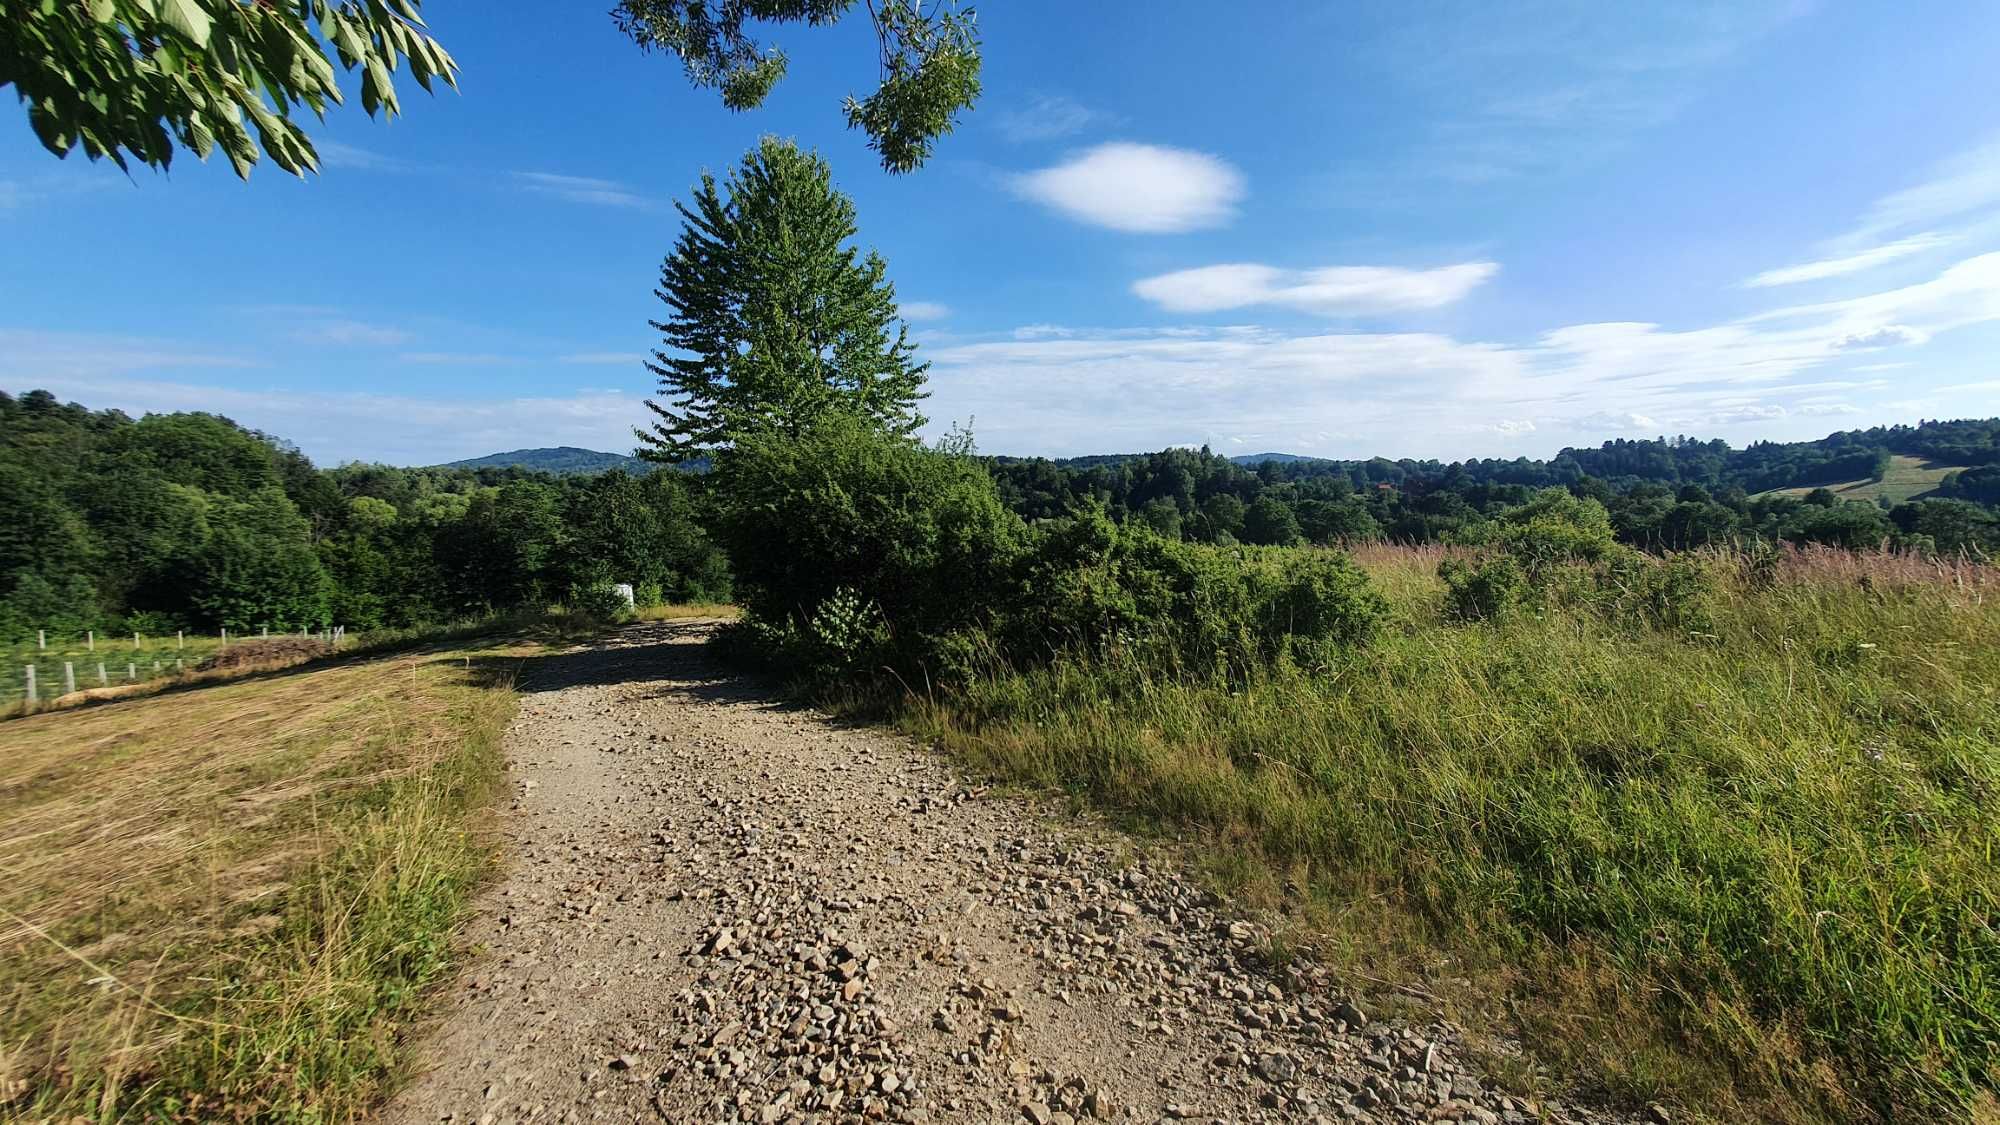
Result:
35,687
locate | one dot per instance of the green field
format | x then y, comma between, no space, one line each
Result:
1907,479
123,662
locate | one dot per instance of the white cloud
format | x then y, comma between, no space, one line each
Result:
1620,421
1887,336
1047,117
1969,181
581,189
1134,187
1329,291
1828,409
1740,415
924,310
334,154
1846,264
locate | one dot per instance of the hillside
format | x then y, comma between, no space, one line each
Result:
1907,478
565,460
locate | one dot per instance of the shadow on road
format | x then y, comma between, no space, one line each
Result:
672,657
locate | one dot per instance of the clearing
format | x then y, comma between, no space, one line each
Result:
1906,479
719,906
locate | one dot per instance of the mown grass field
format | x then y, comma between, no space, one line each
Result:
1907,479
224,902
1747,872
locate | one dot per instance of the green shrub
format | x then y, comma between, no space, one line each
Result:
1487,590
599,602
919,534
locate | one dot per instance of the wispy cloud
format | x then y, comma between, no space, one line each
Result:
460,359
350,333
1048,117
335,154
924,310
1842,265
1328,291
27,355
1134,187
581,189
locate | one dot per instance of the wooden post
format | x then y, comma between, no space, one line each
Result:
264,632
69,677
102,679
42,639
180,639
131,672
225,634
135,642
91,639
34,696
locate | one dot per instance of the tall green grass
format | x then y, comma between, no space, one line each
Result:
1754,865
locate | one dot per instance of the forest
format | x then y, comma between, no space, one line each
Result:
192,521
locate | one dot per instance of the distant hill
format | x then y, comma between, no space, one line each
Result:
1254,459
563,461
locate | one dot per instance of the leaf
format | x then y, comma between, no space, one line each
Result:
188,18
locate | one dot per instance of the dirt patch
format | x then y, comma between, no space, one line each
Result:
265,652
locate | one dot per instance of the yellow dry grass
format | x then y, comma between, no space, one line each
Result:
156,853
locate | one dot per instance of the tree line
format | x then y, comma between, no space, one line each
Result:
192,521
1662,494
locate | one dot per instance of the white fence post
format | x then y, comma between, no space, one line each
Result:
91,639
135,642
42,639
131,672
34,696
265,632
180,639
69,678
102,679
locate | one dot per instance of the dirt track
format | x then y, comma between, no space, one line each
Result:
722,908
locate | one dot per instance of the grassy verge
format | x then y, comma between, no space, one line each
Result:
1748,872
690,611
225,902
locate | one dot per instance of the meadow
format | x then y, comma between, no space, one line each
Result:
1743,868
226,901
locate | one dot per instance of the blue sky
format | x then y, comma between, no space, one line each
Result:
1439,229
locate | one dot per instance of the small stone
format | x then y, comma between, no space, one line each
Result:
1037,1113
1657,1114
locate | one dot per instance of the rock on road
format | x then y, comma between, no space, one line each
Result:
720,907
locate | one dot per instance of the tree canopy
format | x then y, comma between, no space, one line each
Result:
775,321
141,79
928,61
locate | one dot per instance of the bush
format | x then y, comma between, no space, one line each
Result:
1487,590
918,534
599,602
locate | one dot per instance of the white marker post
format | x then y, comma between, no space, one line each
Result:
102,679
34,696
69,678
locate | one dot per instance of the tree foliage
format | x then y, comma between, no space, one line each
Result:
928,61
774,320
141,79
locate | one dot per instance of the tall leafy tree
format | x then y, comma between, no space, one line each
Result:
141,79
928,61
774,319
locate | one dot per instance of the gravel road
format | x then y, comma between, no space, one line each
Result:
721,907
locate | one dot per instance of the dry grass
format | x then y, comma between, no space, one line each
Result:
704,611
219,901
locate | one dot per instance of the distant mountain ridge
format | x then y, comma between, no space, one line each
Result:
563,461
